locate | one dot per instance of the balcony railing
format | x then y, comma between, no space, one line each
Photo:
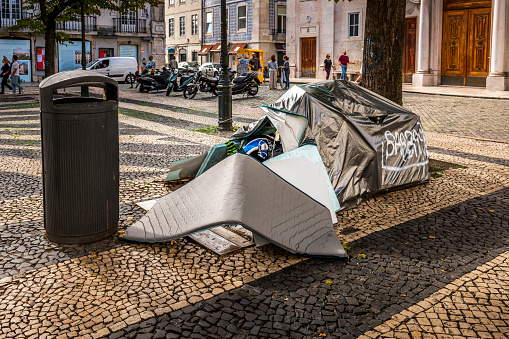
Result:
121,25
90,24
9,19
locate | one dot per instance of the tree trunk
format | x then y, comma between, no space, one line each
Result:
384,48
50,49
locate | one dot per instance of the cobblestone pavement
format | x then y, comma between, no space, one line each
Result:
428,261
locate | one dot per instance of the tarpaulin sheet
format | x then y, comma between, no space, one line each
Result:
367,143
241,190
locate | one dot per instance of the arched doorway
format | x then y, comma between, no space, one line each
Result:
465,42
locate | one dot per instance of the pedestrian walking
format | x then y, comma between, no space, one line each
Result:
285,73
327,65
15,75
6,71
344,61
273,72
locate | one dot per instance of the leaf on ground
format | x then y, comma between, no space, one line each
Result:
322,335
492,211
432,237
345,246
362,256
329,282
130,218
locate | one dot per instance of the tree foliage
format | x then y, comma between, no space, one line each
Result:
47,13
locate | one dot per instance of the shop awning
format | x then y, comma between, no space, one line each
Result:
171,50
204,49
217,48
280,47
237,47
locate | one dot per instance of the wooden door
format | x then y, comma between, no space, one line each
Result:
465,47
409,57
478,42
308,57
454,44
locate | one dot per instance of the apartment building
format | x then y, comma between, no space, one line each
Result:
139,34
254,24
183,38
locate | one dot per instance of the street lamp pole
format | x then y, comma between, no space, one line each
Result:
225,89
84,89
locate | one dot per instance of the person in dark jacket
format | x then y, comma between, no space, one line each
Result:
285,73
6,71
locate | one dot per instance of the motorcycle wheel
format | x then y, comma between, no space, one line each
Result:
253,89
129,78
190,92
168,90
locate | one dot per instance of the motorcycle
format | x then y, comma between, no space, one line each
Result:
155,81
173,84
247,84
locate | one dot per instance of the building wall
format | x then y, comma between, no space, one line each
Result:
260,30
148,42
190,42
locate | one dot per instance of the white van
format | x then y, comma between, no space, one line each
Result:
118,68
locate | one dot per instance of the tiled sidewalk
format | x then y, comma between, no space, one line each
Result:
418,243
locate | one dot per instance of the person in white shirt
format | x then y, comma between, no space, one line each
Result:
15,75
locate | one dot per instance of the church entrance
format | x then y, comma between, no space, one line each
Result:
465,42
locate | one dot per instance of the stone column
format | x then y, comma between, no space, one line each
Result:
423,77
497,80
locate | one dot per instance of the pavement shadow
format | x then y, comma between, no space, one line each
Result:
471,156
343,299
12,183
178,109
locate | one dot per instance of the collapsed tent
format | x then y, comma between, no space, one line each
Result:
327,146
367,143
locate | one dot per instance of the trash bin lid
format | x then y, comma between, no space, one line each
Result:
75,78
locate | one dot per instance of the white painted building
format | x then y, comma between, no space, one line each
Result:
451,42
183,25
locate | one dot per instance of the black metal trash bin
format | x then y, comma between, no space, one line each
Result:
80,158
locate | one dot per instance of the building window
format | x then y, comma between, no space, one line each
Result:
171,27
11,12
105,52
241,17
281,19
171,3
182,25
353,24
182,1
183,55
195,56
194,24
208,23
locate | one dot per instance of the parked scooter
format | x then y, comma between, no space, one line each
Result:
156,81
173,84
247,84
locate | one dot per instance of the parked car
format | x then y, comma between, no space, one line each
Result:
118,68
188,67
210,69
